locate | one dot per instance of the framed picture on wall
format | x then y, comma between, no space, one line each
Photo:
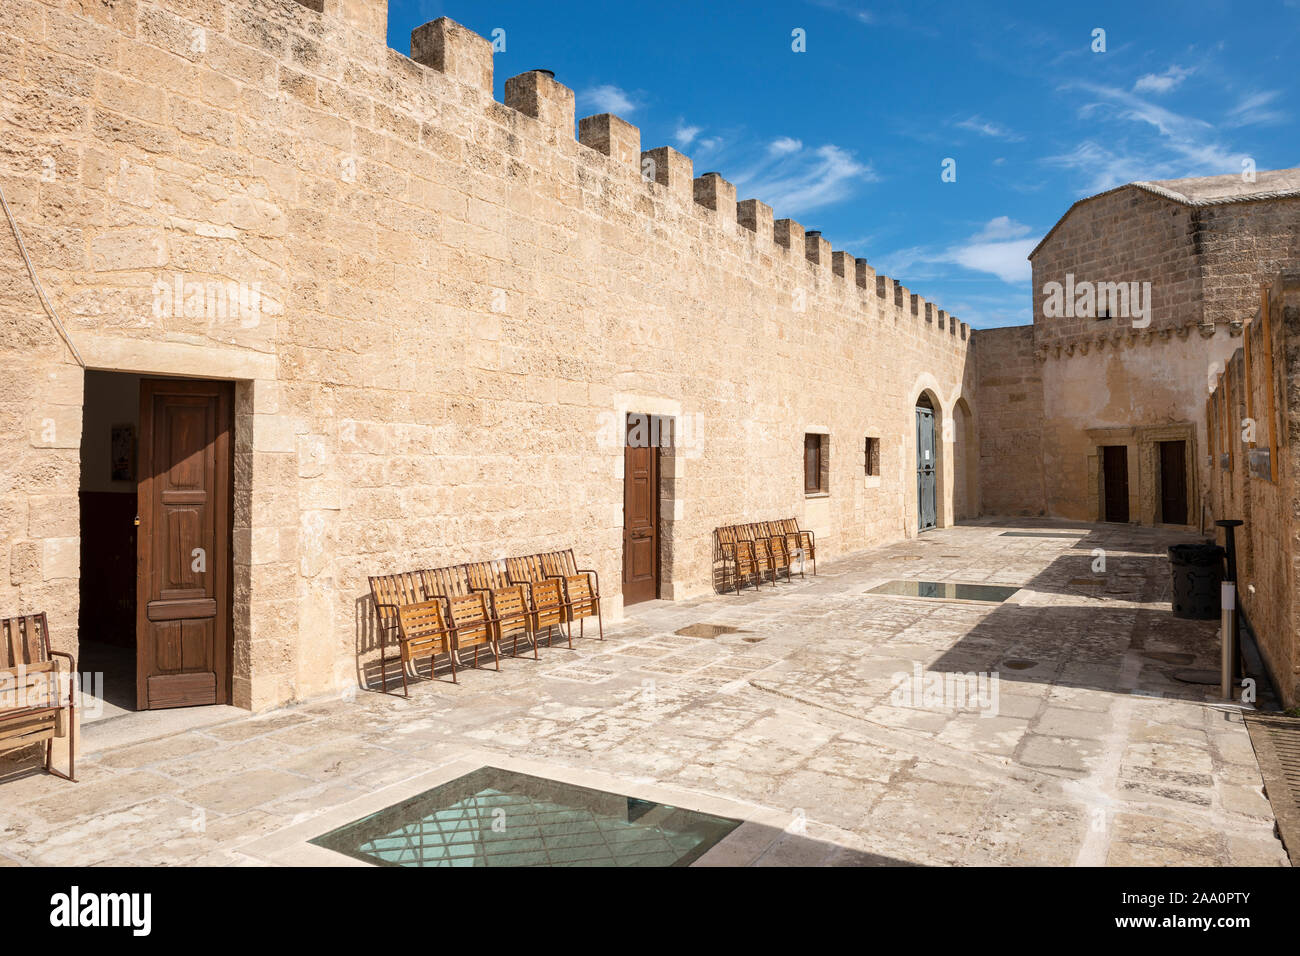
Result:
122,452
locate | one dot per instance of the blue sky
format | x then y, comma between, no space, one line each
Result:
849,136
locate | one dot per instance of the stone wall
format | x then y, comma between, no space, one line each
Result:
1010,392
456,303
1268,558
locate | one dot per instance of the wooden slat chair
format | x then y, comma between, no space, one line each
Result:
549,610
580,602
32,705
581,587
759,551
513,614
807,540
472,625
739,553
390,593
778,546
423,632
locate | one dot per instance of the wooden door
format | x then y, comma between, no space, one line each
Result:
1114,467
925,468
640,512
1173,482
183,550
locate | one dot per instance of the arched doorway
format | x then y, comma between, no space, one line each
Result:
927,464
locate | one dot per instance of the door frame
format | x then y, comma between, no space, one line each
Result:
223,524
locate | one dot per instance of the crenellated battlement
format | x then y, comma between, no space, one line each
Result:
466,57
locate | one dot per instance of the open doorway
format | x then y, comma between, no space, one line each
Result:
155,494
107,496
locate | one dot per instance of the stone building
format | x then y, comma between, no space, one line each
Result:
1096,411
284,308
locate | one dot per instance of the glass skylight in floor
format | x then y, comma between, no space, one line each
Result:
493,817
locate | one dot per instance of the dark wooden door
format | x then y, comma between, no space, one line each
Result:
1173,482
640,513
925,468
1114,467
183,549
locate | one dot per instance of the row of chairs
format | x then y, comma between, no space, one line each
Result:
754,550
466,606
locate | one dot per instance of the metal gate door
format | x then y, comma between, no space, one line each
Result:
925,462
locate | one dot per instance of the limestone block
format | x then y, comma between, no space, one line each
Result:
667,167
60,558
713,192
615,137
455,50
537,94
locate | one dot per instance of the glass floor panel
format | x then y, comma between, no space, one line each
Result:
946,591
493,817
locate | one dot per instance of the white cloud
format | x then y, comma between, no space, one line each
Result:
608,98
1164,144
976,124
1000,249
1007,260
685,135
784,144
793,183
1001,227
1252,110
1162,82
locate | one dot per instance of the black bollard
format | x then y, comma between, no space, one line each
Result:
1229,526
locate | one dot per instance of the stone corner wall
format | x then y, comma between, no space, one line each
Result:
1268,558
1009,384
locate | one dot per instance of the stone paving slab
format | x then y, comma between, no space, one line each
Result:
812,724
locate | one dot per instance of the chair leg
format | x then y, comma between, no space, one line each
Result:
406,692
452,655
599,621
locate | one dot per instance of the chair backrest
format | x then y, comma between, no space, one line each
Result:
449,582
391,591
526,569
790,525
553,563
423,626
24,640
487,575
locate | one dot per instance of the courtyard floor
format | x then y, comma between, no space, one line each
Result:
1094,753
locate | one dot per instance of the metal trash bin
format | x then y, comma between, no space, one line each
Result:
1196,571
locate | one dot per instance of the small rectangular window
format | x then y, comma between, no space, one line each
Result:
816,463
871,456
